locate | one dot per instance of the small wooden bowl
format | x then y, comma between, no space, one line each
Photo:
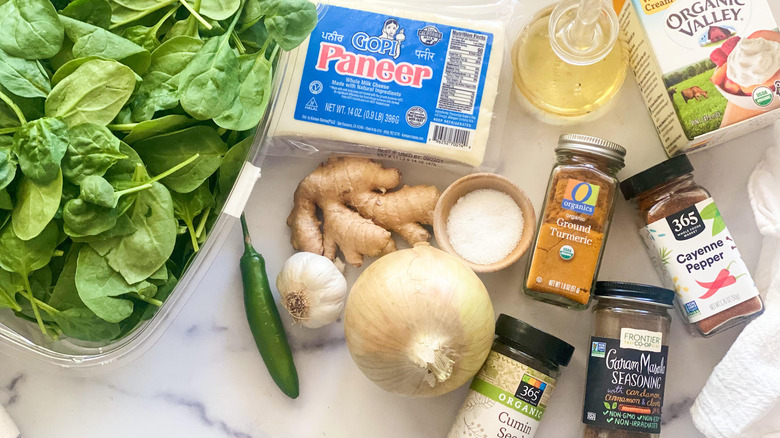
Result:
477,181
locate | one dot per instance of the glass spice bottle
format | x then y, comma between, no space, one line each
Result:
510,393
575,220
624,392
692,248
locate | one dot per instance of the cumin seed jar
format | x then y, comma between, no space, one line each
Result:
575,220
627,363
692,248
510,393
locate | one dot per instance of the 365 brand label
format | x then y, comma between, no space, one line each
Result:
506,399
700,260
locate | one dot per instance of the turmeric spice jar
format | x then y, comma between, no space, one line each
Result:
689,243
575,220
627,363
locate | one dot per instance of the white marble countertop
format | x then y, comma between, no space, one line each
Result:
205,379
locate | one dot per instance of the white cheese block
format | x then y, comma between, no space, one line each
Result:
408,83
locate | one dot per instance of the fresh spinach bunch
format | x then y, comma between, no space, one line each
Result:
123,126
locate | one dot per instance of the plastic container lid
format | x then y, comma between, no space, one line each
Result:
592,145
533,340
634,292
656,175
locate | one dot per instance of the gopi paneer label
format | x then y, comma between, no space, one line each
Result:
394,76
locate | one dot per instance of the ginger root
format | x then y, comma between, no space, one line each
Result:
358,212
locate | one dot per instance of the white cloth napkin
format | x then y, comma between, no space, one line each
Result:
742,396
7,427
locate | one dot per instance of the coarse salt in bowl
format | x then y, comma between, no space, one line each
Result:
485,220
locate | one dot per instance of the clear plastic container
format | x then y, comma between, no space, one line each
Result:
24,339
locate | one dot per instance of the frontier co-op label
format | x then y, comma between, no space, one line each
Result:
506,400
626,379
700,259
393,76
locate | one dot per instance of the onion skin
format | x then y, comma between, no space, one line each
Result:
419,322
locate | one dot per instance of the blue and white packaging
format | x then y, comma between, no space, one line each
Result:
398,81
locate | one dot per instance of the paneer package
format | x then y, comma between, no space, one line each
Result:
400,83
709,70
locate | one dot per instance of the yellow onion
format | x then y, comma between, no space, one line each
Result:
419,322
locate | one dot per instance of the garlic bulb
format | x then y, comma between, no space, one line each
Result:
312,289
419,322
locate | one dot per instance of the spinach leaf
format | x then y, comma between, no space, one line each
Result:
96,190
7,166
93,149
40,146
125,12
232,163
99,286
5,201
164,290
64,295
254,10
209,84
89,40
10,285
40,282
82,323
255,36
69,67
186,207
143,36
31,29
123,227
155,236
219,9
35,207
165,151
23,77
26,256
94,92
85,219
124,169
253,95
94,12
31,107
160,87
161,125
290,22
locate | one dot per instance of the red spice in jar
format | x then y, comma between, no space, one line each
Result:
690,243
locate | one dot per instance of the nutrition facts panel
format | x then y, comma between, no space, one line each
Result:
462,70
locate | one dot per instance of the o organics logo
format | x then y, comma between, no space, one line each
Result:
699,23
580,197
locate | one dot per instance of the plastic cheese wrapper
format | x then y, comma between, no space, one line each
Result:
426,82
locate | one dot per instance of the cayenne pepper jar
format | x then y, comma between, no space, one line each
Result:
691,246
624,392
510,393
575,220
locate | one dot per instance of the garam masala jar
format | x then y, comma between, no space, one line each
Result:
627,364
691,246
575,220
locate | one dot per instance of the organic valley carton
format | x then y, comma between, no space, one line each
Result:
709,70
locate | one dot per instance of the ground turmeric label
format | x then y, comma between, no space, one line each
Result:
571,235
